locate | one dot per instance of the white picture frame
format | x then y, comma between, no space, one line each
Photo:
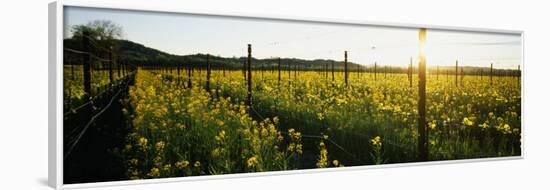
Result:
55,91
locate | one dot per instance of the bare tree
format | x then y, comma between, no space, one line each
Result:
99,29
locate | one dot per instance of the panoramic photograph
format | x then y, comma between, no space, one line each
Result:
159,95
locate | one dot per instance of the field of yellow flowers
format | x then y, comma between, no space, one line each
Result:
309,120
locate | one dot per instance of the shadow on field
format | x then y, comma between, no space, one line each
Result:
96,157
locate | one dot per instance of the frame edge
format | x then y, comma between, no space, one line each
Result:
54,179
55,24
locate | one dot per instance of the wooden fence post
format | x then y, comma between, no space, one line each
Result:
189,71
289,71
208,67
262,71
118,67
249,94
422,127
86,64
375,71
111,65
491,75
346,67
326,71
295,72
279,70
332,70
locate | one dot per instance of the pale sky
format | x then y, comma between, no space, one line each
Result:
184,34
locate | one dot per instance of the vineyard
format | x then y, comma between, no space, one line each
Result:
200,122
186,119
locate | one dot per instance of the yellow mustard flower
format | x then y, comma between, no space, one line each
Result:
376,141
467,122
252,161
182,164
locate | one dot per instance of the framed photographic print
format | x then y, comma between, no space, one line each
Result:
139,95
